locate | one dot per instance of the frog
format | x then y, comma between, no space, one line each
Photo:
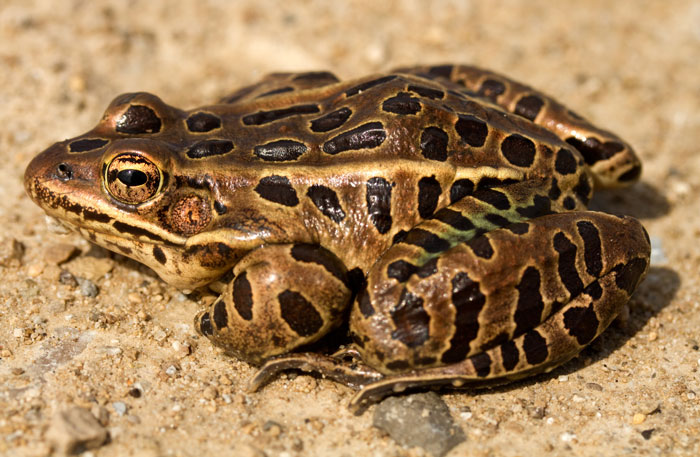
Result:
434,216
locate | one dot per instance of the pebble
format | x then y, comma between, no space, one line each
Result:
58,253
35,269
638,418
88,288
119,407
658,256
75,430
67,278
89,267
421,420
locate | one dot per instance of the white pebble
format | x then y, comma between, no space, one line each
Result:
567,437
119,407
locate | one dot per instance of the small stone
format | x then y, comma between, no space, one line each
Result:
646,434
638,418
594,386
119,407
89,267
75,430
67,278
421,420
11,253
653,336
210,393
563,378
658,256
567,437
59,253
88,288
35,269
134,298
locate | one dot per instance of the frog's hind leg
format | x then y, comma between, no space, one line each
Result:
612,160
502,305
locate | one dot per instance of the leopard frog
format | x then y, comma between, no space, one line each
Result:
439,212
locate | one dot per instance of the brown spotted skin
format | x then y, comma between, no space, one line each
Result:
450,201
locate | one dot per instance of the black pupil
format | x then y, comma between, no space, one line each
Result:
132,177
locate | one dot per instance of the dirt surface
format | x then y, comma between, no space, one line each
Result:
120,343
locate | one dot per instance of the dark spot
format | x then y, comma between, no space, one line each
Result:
410,319
566,162
203,122
326,200
583,188
331,121
399,236
519,228
554,191
138,119
454,219
510,355
317,77
64,172
299,314
481,246
630,175
594,290
535,347
400,270
402,103
220,315
593,150
159,255
497,220
208,148
460,189
541,206
280,150
427,92
369,84
426,240
366,136
379,203
569,203
495,198
281,90
581,323
205,326
90,215
356,279
87,144
468,302
433,144
315,254
277,189
529,107
528,311
592,253
429,191
627,275
219,207
482,364
263,117
567,264
136,231
491,89
441,71
518,150
397,365
364,303
646,434
428,269
473,131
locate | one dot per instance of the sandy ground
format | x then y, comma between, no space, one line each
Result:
129,354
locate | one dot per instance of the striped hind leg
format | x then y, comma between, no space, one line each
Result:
612,160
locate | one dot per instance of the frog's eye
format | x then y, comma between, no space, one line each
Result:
132,178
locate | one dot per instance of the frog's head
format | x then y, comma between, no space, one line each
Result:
121,186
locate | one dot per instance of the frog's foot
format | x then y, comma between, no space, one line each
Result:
353,373
281,297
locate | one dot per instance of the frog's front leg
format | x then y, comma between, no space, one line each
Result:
281,297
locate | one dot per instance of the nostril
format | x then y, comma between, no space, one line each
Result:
64,172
